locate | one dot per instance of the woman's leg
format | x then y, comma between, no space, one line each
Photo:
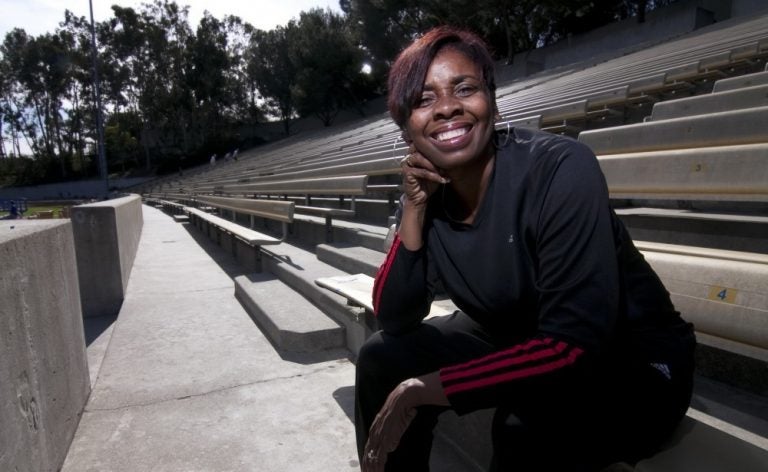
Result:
601,417
384,361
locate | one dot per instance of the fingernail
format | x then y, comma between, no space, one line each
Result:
445,181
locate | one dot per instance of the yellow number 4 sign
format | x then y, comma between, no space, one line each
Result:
722,294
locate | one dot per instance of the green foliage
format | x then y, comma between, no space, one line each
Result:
172,95
328,65
509,26
273,70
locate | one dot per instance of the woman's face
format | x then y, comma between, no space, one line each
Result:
452,124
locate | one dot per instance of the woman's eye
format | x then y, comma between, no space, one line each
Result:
465,90
425,101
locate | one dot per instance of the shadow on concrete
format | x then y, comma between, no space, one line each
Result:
307,358
345,397
233,269
93,327
282,258
222,258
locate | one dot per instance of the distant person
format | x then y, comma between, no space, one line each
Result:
213,160
562,327
234,154
13,212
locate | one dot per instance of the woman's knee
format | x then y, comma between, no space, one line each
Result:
371,353
381,353
399,357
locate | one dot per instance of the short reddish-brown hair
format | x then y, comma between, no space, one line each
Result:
406,77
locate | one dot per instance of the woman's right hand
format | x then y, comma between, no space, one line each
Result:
420,178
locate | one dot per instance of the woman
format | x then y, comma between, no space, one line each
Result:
563,327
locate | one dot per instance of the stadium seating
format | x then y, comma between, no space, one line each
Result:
681,132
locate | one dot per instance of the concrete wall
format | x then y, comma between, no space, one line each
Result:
44,380
106,239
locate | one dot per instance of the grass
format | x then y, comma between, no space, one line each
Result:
33,209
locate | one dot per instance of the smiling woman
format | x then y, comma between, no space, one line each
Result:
563,327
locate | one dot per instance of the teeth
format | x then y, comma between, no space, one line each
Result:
454,133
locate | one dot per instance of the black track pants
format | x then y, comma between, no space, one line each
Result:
598,417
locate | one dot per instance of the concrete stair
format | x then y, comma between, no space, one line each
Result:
288,319
287,286
351,259
295,312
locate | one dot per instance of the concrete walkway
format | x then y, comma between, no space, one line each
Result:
185,381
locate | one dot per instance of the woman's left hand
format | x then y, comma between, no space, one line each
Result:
396,415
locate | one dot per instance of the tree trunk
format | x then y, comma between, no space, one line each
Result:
2,142
642,6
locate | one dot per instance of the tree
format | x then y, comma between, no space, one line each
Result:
274,71
10,107
38,80
151,47
509,26
207,64
80,126
328,64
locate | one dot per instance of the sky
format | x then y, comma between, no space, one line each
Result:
43,16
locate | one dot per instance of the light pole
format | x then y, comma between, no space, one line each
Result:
103,174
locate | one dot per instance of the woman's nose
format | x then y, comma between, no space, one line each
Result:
447,106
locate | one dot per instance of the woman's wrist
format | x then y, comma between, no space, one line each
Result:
412,225
425,390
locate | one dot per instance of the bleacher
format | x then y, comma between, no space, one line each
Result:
681,132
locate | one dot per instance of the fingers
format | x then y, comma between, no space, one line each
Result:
414,159
373,461
387,429
420,177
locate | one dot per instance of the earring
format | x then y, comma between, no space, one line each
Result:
394,148
506,139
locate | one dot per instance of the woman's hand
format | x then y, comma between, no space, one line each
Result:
396,415
420,178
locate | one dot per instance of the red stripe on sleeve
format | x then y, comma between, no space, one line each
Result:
383,273
507,362
508,352
517,374
535,357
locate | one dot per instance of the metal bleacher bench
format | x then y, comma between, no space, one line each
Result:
176,210
351,185
244,243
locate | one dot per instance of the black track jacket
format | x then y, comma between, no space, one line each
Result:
546,264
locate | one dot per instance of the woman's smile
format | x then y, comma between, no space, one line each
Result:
453,136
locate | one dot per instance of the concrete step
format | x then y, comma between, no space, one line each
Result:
299,268
735,407
374,241
309,230
288,319
351,259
